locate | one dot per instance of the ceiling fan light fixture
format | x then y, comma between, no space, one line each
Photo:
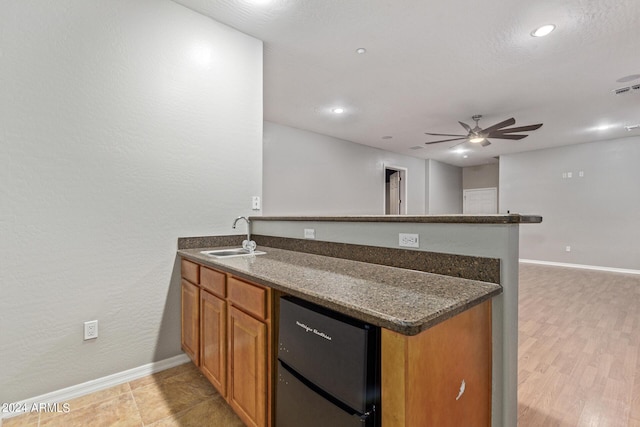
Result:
542,31
337,110
476,139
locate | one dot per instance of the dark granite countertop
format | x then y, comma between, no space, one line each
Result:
402,300
440,219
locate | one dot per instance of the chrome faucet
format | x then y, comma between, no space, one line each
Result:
248,244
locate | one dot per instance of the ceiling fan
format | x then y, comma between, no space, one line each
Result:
479,135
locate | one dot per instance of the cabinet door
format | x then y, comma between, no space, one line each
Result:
440,377
213,334
191,321
248,367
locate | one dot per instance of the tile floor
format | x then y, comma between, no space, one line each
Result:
176,397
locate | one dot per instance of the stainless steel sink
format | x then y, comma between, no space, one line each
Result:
230,253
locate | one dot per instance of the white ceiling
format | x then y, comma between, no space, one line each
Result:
431,63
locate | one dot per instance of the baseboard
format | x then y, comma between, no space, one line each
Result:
581,266
92,386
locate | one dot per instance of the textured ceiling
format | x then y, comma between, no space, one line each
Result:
431,63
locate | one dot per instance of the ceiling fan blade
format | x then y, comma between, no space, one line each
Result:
455,145
520,129
508,122
466,126
444,140
442,134
485,143
506,136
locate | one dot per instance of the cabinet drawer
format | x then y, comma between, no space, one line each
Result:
213,281
190,271
251,298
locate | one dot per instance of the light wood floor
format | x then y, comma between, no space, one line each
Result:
579,347
579,365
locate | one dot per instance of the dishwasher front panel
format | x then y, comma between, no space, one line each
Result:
299,405
336,353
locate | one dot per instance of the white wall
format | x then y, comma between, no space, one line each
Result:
122,122
444,188
306,173
597,214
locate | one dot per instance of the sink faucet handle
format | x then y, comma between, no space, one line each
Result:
249,245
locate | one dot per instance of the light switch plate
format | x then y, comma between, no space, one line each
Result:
255,203
309,233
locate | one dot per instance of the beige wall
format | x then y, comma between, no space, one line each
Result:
596,214
482,176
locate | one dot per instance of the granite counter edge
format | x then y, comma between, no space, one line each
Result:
437,219
391,323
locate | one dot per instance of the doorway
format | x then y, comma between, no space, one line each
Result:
395,190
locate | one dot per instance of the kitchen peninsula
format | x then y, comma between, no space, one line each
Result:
462,277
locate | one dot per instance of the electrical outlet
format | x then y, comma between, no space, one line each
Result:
90,330
409,240
309,233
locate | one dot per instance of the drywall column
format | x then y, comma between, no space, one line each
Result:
444,188
485,240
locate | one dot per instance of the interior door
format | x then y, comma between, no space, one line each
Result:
394,194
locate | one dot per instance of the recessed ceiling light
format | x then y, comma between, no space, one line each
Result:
465,157
387,137
337,110
361,50
543,31
603,127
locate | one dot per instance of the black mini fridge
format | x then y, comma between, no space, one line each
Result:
328,368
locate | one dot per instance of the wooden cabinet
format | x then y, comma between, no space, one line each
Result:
248,367
226,330
190,340
213,338
440,377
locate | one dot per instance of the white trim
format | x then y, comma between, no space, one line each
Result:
581,266
98,384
